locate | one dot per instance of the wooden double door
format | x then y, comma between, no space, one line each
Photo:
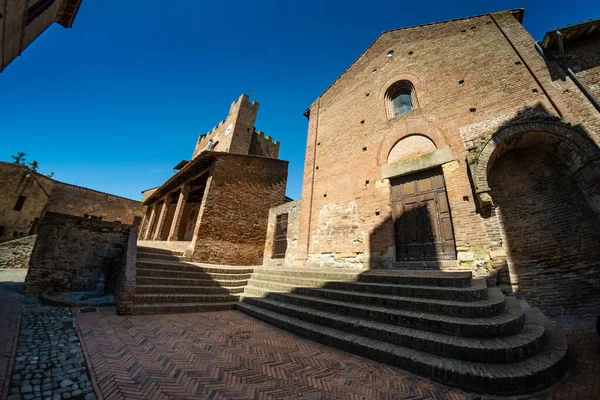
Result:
422,223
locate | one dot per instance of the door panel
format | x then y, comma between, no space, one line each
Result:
422,222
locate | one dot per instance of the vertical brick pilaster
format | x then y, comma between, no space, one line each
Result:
148,232
182,200
161,218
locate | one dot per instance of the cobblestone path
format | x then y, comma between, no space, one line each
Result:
49,363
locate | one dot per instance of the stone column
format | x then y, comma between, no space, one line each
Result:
183,196
148,232
161,218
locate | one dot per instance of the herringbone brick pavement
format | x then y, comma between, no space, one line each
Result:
228,355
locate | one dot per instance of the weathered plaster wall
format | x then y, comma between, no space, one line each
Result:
292,209
71,252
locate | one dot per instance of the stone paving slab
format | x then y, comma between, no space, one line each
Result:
228,355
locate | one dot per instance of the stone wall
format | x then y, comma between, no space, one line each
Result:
292,209
261,145
16,253
71,252
232,222
45,194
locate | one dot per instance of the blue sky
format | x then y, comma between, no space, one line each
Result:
118,100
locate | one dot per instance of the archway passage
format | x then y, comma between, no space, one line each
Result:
551,234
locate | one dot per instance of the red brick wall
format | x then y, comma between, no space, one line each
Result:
471,77
71,252
235,208
551,234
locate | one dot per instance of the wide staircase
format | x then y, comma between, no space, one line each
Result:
441,325
167,284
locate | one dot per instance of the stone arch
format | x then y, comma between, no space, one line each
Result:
577,152
407,127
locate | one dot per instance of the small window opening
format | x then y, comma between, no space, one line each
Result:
400,98
37,9
317,167
472,109
377,213
466,198
19,204
534,90
517,62
325,195
365,148
461,82
362,121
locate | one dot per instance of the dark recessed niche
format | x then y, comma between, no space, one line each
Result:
374,70
473,27
362,121
466,198
367,94
377,213
366,183
319,143
489,22
325,195
410,53
247,129
390,53
317,167
517,62
534,90
365,148
461,82
472,109
463,31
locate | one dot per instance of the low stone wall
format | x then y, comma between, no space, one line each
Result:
71,253
125,279
292,209
15,254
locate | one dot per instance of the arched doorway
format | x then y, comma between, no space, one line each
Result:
551,235
543,180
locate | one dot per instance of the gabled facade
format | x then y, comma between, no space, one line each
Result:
457,145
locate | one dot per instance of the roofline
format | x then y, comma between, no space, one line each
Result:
64,183
517,12
566,28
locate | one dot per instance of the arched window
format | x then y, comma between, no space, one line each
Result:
400,98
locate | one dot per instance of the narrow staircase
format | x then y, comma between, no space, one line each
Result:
444,326
167,284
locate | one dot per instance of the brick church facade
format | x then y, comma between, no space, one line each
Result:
464,145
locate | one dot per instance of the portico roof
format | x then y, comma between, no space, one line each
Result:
201,162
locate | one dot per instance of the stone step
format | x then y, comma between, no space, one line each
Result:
173,273
489,350
508,322
174,289
540,370
477,291
490,306
159,256
173,308
190,267
412,278
186,282
156,250
184,298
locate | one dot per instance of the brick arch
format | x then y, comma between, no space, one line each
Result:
577,152
402,128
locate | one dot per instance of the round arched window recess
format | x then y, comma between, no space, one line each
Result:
400,98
